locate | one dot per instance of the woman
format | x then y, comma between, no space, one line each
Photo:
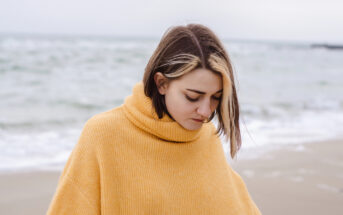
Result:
158,153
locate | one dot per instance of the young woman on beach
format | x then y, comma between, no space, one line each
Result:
159,152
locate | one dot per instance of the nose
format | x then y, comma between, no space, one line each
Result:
205,109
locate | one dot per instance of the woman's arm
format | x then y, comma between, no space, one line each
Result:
78,190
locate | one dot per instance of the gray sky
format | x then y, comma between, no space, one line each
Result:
290,20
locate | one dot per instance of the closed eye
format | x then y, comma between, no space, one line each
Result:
216,98
196,99
192,99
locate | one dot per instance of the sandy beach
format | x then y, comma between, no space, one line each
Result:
297,179
294,179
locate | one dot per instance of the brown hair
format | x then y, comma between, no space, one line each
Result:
183,49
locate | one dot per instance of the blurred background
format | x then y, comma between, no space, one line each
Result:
63,61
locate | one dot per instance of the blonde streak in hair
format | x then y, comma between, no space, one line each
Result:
189,65
182,58
227,110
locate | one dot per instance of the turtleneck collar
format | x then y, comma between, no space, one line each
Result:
140,111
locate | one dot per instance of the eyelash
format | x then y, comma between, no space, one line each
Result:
194,100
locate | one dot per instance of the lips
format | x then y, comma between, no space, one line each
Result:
198,120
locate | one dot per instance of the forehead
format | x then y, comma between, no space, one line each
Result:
200,79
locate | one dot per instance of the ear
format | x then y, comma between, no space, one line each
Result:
161,83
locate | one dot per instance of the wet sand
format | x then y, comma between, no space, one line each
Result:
294,179
299,179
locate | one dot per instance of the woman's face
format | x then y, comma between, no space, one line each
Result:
192,98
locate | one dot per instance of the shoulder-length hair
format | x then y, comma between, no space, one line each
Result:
183,49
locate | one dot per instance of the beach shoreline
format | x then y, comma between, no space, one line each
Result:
292,179
296,178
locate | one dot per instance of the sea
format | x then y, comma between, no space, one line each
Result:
289,92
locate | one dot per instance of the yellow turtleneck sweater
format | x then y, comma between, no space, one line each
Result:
127,161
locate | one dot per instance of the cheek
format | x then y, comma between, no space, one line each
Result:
188,108
178,106
214,105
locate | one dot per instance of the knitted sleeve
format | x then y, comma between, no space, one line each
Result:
244,195
78,190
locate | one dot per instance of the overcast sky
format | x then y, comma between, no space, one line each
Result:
290,20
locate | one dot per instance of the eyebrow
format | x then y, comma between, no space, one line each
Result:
200,92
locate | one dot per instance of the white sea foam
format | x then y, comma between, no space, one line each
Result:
50,86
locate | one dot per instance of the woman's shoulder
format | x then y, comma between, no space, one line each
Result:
105,121
211,129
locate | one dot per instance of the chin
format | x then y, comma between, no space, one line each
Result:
192,126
